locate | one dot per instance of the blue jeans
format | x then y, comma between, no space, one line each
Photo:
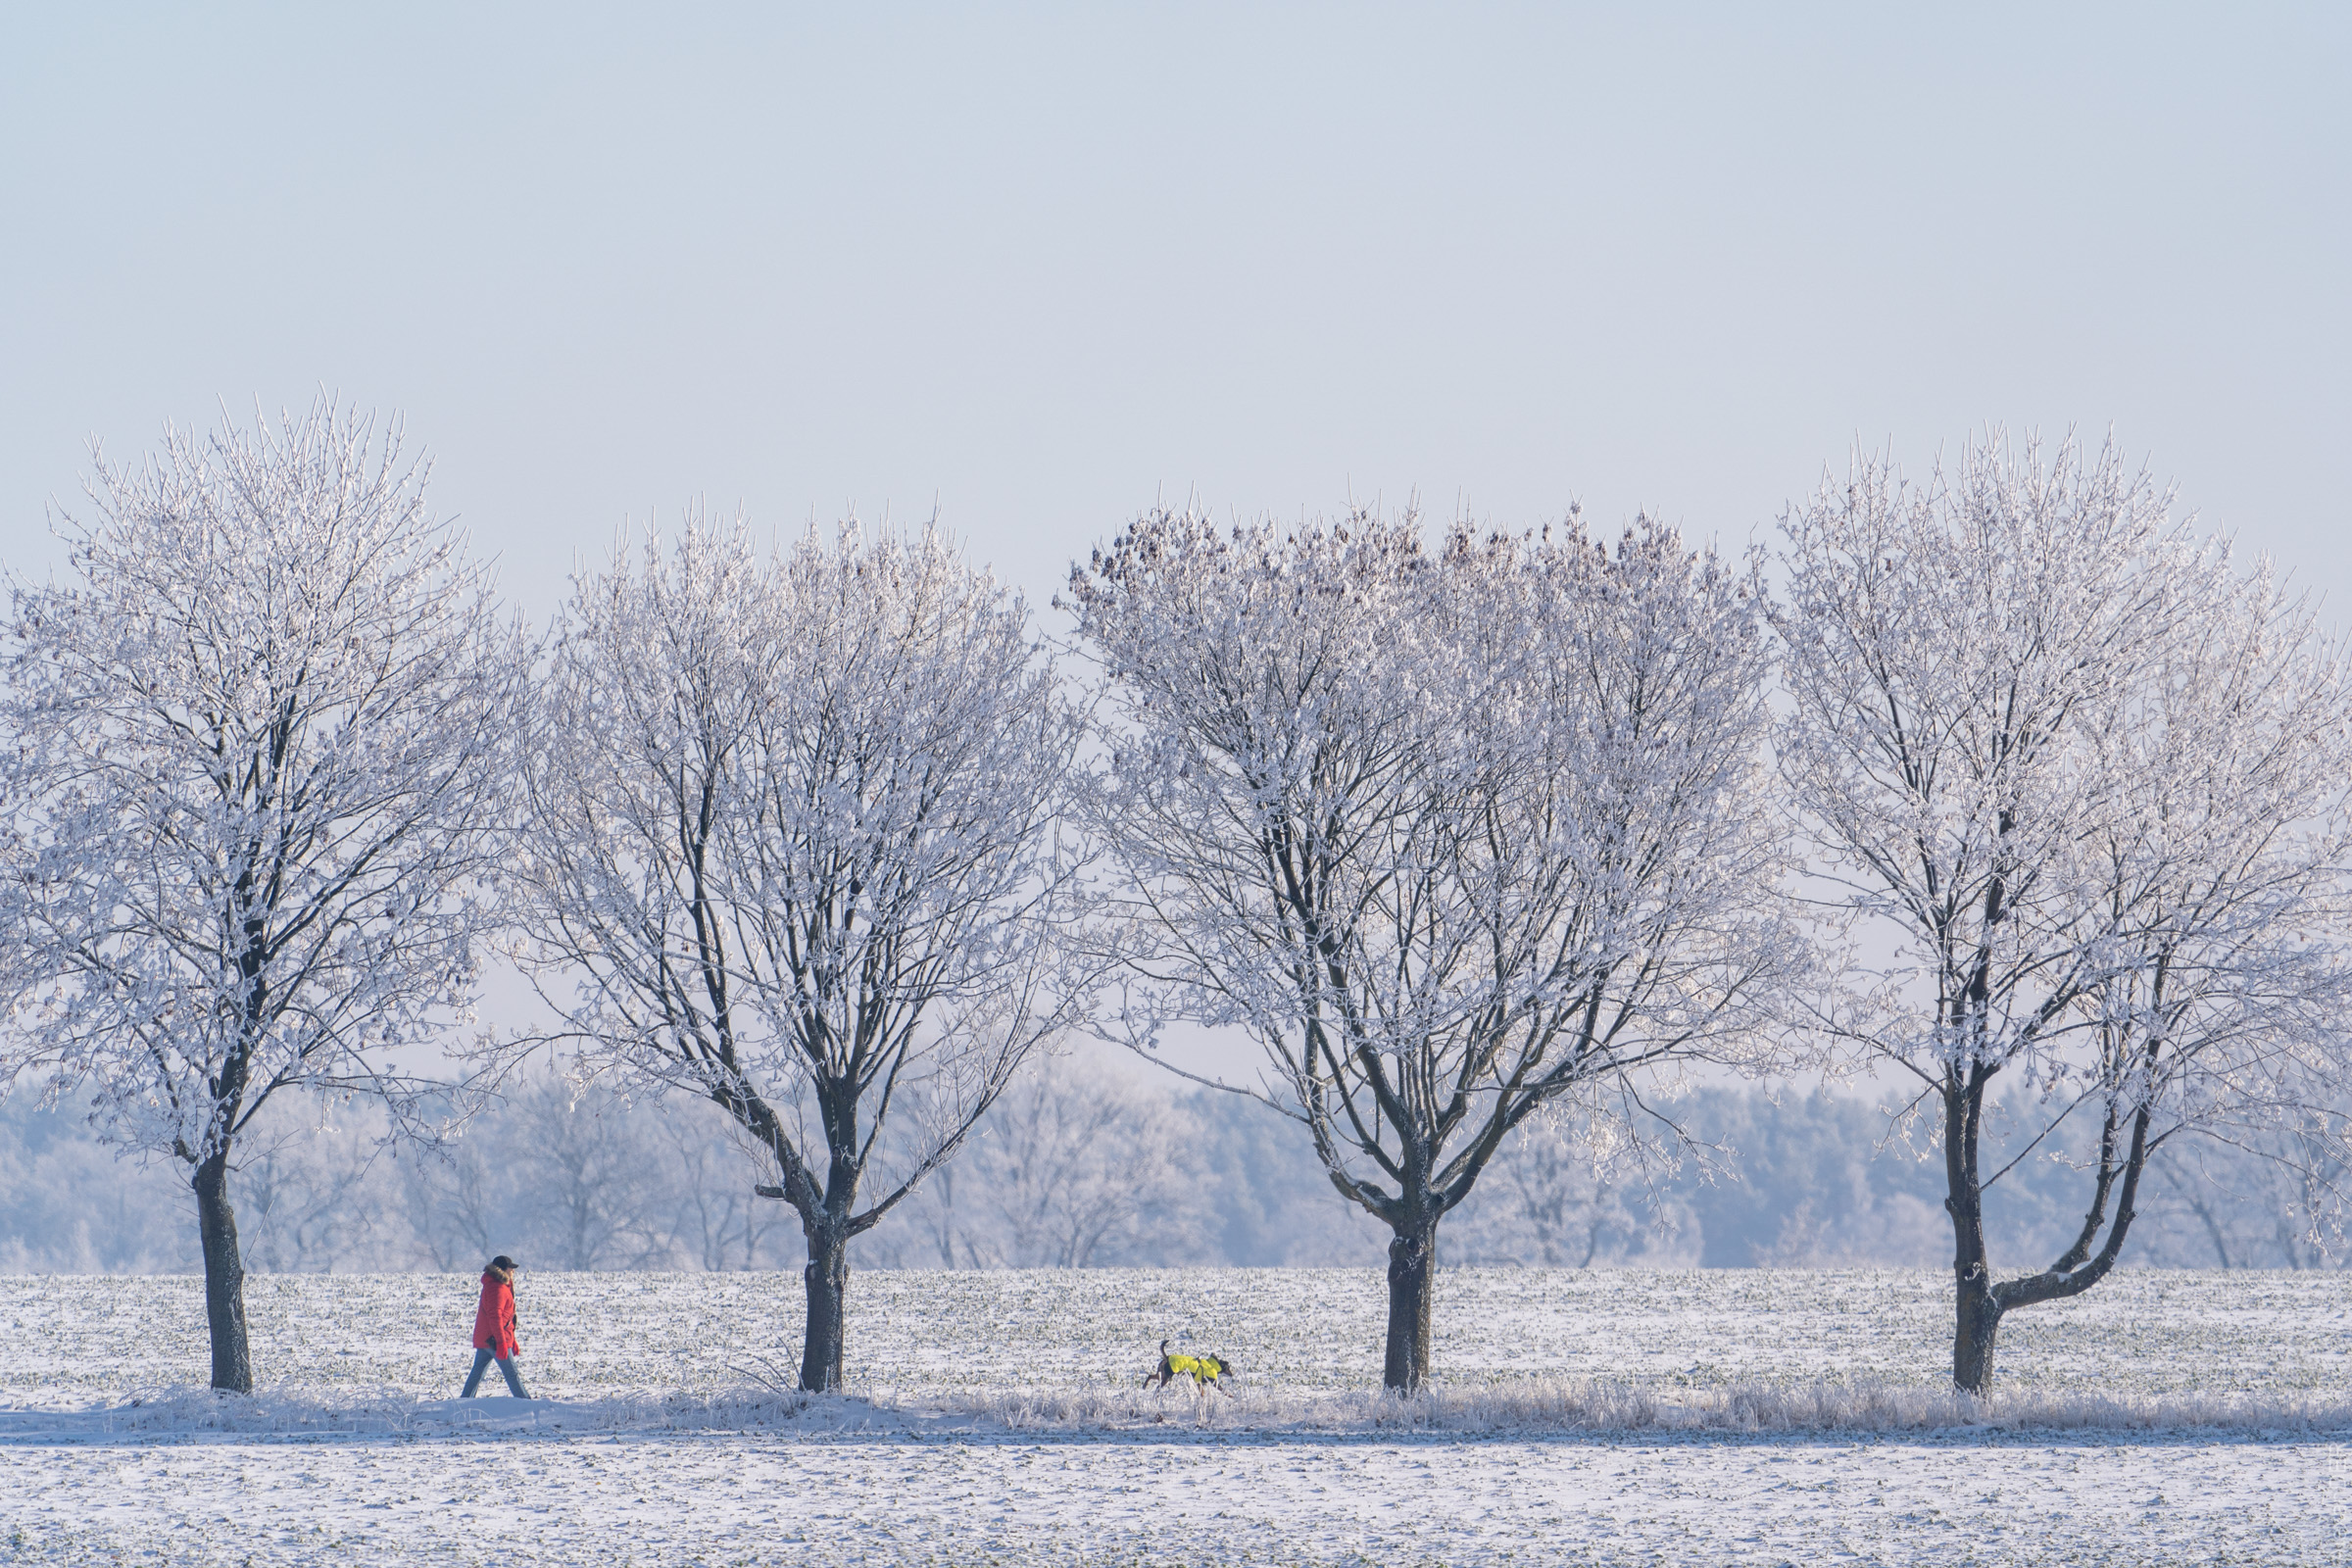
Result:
505,1365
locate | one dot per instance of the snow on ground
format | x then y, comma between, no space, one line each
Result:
621,1499
1603,1417
73,1341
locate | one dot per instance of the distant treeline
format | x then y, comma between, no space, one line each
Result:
1080,1166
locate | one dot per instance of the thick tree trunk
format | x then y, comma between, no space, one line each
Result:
827,1218
1412,1285
223,1277
1975,1314
1975,1326
828,1281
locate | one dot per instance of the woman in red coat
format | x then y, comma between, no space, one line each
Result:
494,1328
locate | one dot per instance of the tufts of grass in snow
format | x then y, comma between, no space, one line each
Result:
196,1412
1605,1406
1532,1406
78,1342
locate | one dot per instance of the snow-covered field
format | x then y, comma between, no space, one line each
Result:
1729,1415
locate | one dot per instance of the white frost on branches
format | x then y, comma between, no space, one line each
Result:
2094,780
2094,776
1451,836
794,846
250,812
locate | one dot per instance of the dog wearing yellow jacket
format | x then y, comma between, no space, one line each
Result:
1203,1370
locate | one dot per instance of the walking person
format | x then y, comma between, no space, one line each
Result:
494,1328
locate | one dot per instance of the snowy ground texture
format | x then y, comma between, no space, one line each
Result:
1728,1416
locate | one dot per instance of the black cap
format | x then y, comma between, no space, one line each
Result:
502,1260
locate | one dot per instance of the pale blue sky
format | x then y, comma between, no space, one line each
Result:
1043,265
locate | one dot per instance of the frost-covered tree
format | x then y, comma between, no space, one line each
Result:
259,744
793,849
305,1188
1076,1166
2090,782
599,1193
1453,836
1558,1198
572,1175
1079,1169
2271,1201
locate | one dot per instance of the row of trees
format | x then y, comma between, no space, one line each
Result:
563,1176
1078,1166
1463,837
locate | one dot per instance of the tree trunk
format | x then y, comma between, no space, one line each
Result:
1976,1315
1412,1285
223,1277
828,1281
1975,1327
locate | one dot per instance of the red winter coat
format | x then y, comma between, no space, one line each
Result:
494,1319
